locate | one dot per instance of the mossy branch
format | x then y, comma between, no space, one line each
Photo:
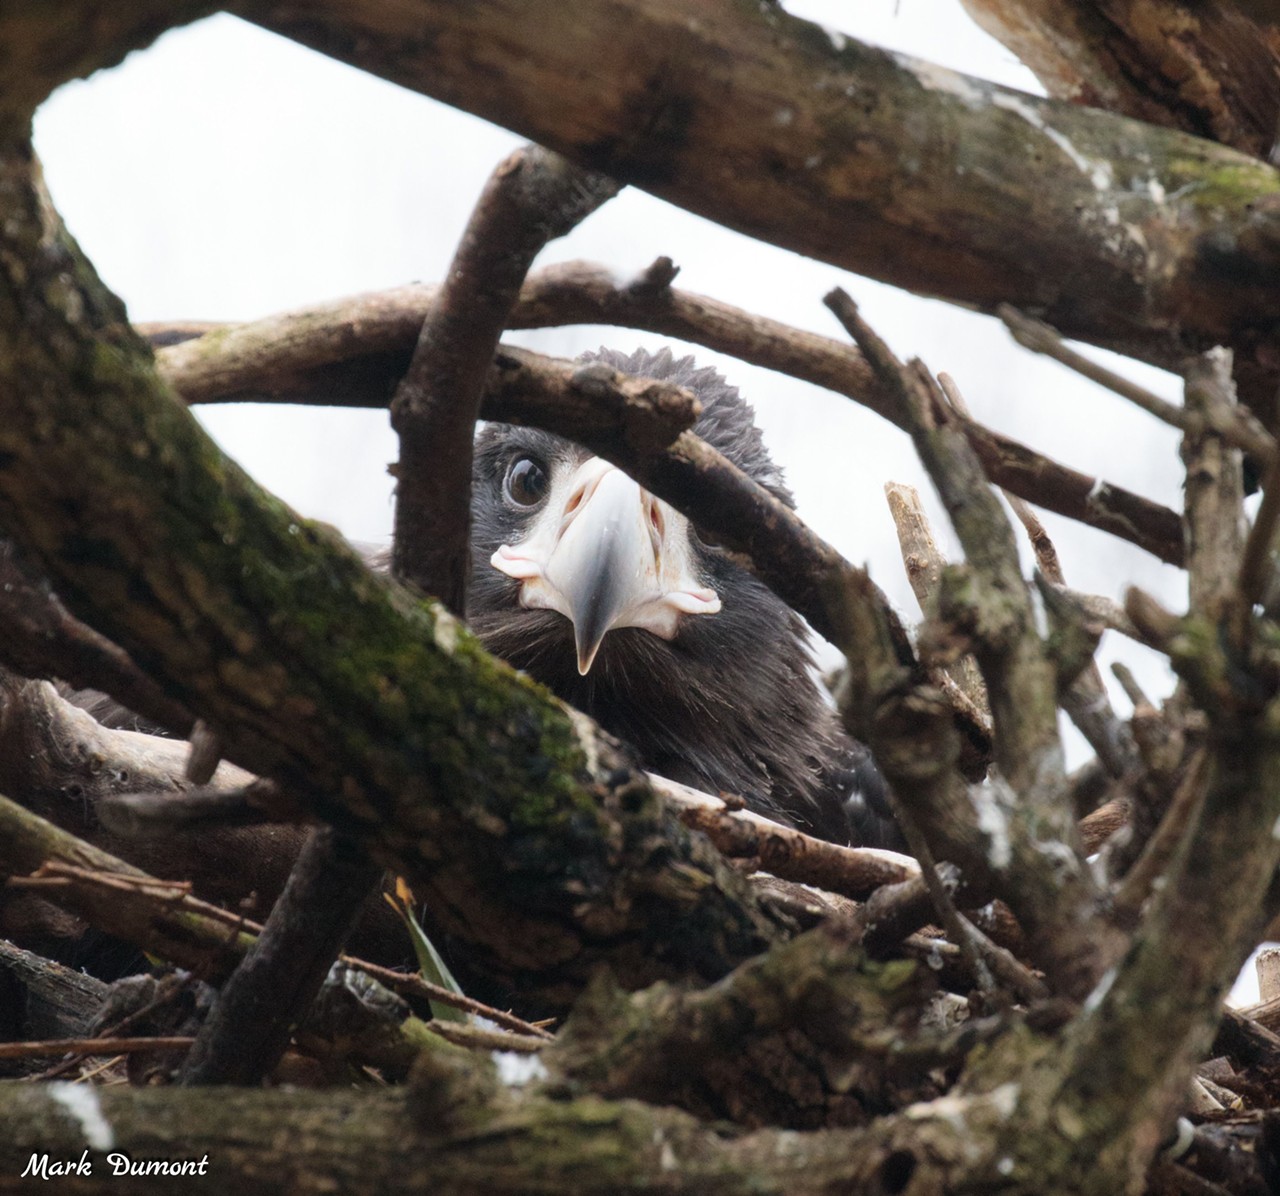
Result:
525,828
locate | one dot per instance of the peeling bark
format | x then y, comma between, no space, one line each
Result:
1146,240
1211,68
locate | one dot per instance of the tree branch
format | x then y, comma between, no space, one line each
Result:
1210,69
352,352
1055,903
322,676
1143,240
531,198
272,988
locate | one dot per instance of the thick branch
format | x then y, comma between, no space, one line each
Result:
40,639
445,1136
815,1025
1140,236
321,675
1211,68
51,45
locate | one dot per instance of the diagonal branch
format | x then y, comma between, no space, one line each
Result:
531,198
1144,239
353,351
274,985
1055,900
338,684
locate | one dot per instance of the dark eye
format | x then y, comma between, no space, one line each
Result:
526,483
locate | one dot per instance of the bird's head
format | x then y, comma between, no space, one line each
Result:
560,530
621,606
598,549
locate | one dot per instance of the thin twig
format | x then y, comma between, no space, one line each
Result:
783,850
939,894
1056,904
92,1046
352,353
1012,974
1042,546
1236,426
924,563
411,984
1141,878
1085,700
173,894
1097,608
175,925
1257,565
477,1038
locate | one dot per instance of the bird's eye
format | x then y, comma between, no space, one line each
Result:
527,482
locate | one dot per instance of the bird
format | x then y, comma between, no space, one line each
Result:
632,614
629,612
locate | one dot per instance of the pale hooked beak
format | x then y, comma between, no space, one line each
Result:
610,556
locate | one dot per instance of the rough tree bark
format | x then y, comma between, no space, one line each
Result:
1212,68
536,843
1145,240
161,535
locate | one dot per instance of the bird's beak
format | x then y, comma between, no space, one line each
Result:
609,555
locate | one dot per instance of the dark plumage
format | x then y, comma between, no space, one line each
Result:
718,693
729,703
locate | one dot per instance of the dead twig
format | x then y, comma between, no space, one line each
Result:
1096,608
274,984
1214,488
533,196
477,1038
784,851
1235,425
80,883
1085,699
91,1046
1158,851
162,917
354,351
924,563
1056,903
411,984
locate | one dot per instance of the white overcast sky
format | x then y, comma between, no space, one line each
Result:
227,174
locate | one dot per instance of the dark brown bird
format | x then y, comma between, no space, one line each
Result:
616,602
